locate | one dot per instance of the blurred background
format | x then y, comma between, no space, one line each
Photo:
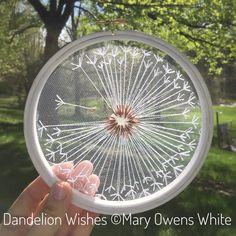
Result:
32,31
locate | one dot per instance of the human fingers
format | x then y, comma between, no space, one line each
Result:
91,186
78,178
63,170
79,175
55,207
29,199
89,189
24,206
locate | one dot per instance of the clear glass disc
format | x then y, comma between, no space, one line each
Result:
138,112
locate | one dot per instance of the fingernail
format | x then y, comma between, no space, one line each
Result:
59,191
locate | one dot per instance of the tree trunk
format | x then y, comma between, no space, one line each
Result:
77,113
47,113
51,42
54,19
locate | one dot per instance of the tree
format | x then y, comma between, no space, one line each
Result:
21,46
54,15
204,29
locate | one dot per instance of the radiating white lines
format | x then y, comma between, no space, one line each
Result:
158,147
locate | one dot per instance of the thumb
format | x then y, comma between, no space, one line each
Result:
55,207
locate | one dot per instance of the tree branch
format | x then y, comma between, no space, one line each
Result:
64,2
146,5
68,9
194,39
192,25
40,8
53,6
86,11
60,6
22,30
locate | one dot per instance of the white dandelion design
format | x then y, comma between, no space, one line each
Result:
134,115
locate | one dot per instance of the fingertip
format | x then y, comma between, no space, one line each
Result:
63,170
85,163
91,186
80,174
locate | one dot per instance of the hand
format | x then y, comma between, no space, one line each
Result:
38,199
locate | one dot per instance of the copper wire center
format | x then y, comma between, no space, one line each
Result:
123,121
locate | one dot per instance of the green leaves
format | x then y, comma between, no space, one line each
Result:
205,30
21,43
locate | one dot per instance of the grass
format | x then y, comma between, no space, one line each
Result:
213,190
9,111
16,170
220,161
227,114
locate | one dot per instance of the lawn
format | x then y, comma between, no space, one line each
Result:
226,114
212,191
15,165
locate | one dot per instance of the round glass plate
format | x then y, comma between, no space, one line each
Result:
133,106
